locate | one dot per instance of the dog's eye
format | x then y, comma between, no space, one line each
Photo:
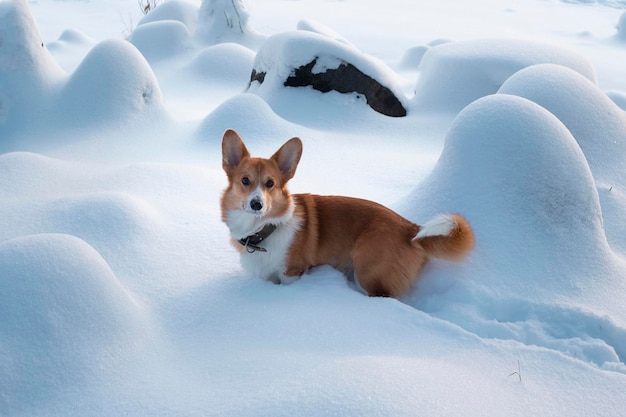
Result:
245,181
269,183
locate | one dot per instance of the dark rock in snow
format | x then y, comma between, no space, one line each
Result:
257,76
307,59
348,79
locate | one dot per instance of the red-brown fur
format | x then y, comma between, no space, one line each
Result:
361,238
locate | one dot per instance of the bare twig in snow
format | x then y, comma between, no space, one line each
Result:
518,372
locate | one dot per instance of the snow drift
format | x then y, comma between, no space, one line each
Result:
226,21
597,124
173,10
63,317
223,64
515,171
454,74
120,294
161,39
114,82
29,76
251,116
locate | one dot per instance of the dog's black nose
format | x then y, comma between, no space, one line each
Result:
256,205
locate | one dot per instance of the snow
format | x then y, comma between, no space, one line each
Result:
162,38
221,21
621,28
181,11
523,182
30,74
113,83
320,28
598,125
454,74
121,295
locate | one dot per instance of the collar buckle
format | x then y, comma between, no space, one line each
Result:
251,243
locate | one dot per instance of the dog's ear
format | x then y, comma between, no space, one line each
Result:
233,151
288,156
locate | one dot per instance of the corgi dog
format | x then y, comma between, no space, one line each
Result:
281,235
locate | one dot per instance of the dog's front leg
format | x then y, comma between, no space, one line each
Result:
286,280
281,278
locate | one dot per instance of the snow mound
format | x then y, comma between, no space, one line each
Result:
27,174
72,36
456,73
228,63
249,115
598,125
596,122
321,29
29,76
296,58
178,10
618,97
515,171
103,217
226,21
113,83
621,28
521,179
161,40
413,57
62,316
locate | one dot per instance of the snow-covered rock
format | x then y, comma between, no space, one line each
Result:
455,74
308,59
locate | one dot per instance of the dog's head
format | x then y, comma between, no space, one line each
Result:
257,186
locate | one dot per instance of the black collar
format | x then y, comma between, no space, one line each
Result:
251,242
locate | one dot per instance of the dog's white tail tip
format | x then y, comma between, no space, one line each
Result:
441,225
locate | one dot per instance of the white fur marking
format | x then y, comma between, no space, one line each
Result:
271,265
441,225
268,265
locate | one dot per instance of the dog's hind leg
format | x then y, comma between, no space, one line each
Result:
386,269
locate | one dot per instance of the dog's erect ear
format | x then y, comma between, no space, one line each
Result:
233,150
288,156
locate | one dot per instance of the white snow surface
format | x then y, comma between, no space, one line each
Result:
120,293
454,74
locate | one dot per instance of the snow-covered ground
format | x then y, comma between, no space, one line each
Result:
121,295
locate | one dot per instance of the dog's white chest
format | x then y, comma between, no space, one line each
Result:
271,265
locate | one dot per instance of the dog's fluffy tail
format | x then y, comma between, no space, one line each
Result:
447,236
